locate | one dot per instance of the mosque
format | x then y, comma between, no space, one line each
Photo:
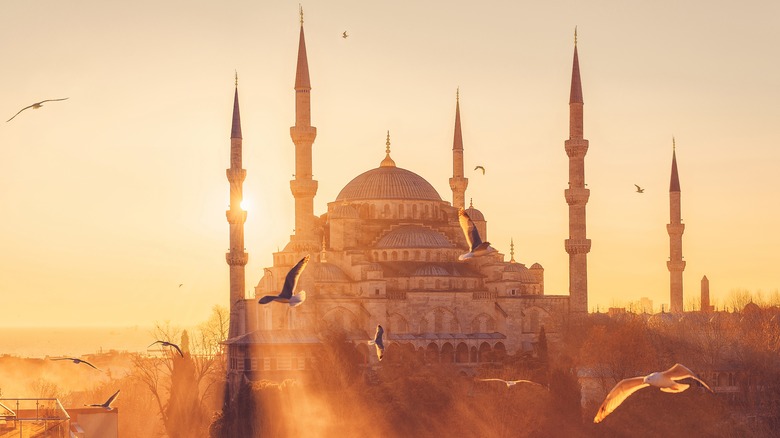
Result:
386,252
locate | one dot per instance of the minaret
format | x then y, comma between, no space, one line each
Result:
675,228
458,183
303,187
577,245
705,295
236,216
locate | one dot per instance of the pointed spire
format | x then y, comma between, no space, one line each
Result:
387,162
457,141
235,131
576,84
471,202
302,72
674,184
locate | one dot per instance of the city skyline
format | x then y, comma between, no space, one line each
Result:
117,195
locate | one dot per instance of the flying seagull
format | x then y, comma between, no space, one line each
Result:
666,381
76,361
480,167
477,247
290,282
344,35
36,105
168,344
639,189
107,404
181,284
380,345
510,383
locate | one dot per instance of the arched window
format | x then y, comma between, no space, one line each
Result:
384,255
401,211
414,211
387,211
394,256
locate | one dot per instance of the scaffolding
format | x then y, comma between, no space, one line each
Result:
33,418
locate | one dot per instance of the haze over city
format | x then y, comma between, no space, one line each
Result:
117,196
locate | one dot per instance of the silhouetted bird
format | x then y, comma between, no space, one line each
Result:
168,344
639,189
344,35
477,247
76,361
666,381
380,345
107,404
181,284
510,383
36,105
290,282
480,167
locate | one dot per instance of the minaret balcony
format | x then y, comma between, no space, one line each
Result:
675,229
303,188
676,265
459,183
577,196
576,147
236,175
236,216
237,258
303,134
577,246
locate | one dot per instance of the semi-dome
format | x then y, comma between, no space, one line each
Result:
475,214
326,272
413,236
520,272
344,212
388,182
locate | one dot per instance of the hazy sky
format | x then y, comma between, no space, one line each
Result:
114,197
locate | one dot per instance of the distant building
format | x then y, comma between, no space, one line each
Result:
386,252
33,417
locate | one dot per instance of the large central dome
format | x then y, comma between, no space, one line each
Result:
388,182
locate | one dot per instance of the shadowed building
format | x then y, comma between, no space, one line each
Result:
386,252
675,228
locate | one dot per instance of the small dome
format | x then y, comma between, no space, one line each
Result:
751,308
515,267
344,212
431,271
326,272
388,182
413,236
537,266
520,272
475,214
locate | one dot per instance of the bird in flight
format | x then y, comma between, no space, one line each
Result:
107,404
76,361
344,35
477,247
480,167
639,189
510,383
36,105
666,381
380,345
168,344
290,282
181,284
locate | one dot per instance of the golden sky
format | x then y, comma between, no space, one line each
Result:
114,197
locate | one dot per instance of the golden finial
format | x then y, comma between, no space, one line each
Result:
387,162
236,78
301,11
471,202
575,35
457,95
512,250
673,145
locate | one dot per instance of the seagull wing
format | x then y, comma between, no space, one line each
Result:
679,372
526,381
619,393
267,299
177,348
637,187
292,278
155,342
480,167
493,380
469,230
85,362
49,100
19,112
378,337
110,400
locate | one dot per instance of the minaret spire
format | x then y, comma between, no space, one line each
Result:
458,182
236,258
577,245
303,187
675,228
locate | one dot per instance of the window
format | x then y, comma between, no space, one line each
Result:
376,291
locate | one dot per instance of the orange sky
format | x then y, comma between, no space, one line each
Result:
114,197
